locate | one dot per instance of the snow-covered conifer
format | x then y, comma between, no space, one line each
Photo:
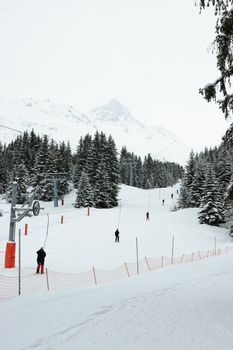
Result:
102,189
196,188
211,212
84,193
184,196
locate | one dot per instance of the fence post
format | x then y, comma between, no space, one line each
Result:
47,278
62,219
94,275
199,254
207,254
88,211
172,250
215,246
162,261
25,229
226,250
137,255
127,270
181,260
192,256
147,263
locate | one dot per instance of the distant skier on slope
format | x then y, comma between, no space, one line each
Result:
117,233
163,201
147,216
40,260
172,196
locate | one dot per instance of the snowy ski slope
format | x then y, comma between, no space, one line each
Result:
180,307
85,241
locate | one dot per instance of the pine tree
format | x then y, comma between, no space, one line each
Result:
184,196
46,191
113,169
102,189
22,183
84,193
190,170
224,169
124,166
196,188
82,158
44,164
212,208
223,47
138,179
3,172
185,199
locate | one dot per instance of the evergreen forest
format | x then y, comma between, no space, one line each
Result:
95,169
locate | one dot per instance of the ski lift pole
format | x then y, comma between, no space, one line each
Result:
119,217
19,261
47,231
137,255
13,213
149,203
55,192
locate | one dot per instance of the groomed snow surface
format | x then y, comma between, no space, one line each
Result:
184,306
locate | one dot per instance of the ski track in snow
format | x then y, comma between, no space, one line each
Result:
187,306
140,328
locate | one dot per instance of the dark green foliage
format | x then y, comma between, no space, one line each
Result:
184,196
84,147
207,183
4,175
211,212
23,181
40,156
223,48
98,158
197,186
84,193
149,174
113,170
102,188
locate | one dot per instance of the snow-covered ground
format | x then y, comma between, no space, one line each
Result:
185,306
85,241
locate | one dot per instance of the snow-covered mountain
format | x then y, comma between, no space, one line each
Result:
116,119
65,122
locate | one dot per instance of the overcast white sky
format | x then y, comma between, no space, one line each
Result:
149,54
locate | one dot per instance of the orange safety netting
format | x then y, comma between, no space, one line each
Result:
53,281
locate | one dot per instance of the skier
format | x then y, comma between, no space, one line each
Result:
177,191
172,196
163,202
147,216
117,233
40,260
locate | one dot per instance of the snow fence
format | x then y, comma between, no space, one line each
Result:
11,286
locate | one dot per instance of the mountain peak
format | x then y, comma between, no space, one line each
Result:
112,111
46,116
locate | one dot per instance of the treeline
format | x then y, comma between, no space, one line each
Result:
95,170
148,173
207,184
30,159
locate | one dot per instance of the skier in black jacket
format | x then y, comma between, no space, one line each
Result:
117,233
40,260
